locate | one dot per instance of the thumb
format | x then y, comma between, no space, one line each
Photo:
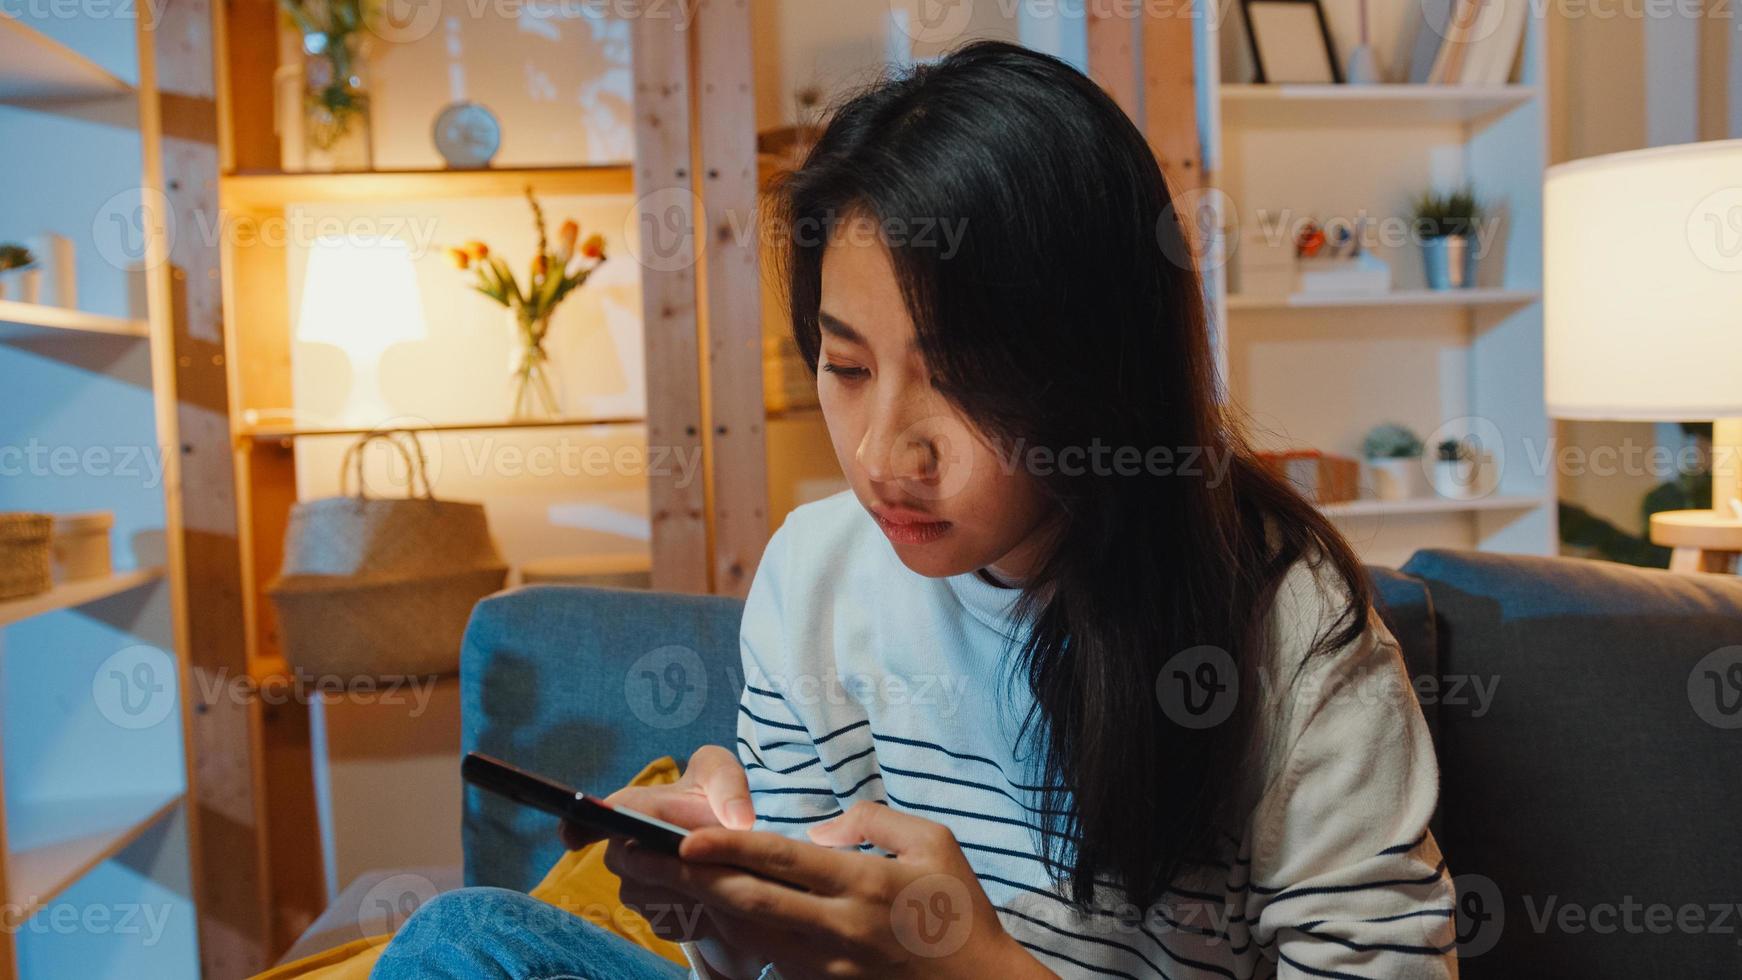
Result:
721,777
875,823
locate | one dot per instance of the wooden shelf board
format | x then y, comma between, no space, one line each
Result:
1369,105
1430,505
1398,298
35,68
275,190
26,320
264,432
70,595
55,843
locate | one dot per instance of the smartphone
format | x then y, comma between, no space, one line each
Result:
591,812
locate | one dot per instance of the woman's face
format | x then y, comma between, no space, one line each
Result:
947,501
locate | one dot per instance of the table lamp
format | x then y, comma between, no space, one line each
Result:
359,293
1642,307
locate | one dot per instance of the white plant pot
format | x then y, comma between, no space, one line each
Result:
1457,479
1397,479
21,285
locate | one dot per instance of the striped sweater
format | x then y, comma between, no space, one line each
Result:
867,681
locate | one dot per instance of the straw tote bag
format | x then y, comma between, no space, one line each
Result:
382,586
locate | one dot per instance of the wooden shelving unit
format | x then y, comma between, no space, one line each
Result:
35,68
25,321
255,190
71,595
265,432
54,844
1319,370
1400,299
1313,106
66,829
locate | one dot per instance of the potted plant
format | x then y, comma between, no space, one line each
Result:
1446,224
20,279
1455,470
554,273
334,85
1393,454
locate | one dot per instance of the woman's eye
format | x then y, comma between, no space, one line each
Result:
846,372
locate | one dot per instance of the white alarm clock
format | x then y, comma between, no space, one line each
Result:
467,135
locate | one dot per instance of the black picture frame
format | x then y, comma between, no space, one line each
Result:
1252,36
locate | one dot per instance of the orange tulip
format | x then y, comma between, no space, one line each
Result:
477,250
458,258
594,246
566,236
539,265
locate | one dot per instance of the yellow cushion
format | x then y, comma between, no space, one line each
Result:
579,883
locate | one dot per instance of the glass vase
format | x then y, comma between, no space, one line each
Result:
335,103
533,377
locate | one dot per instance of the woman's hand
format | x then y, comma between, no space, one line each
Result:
712,792
922,914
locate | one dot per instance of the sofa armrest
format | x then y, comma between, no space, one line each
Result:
586,685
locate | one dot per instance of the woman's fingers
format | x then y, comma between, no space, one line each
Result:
892,830
785,861
730,890
721,776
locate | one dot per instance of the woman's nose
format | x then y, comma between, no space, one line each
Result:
899,445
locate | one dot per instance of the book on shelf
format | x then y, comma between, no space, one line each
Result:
1468,42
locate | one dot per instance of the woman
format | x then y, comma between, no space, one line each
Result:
1067,683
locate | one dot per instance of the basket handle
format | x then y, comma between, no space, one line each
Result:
415,463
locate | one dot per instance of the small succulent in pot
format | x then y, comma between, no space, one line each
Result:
1391,441
15,257
1453,451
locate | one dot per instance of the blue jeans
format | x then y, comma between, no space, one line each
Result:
479,933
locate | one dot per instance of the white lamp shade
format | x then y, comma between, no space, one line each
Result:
360,293
1642,284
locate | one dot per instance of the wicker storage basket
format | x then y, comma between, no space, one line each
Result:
81,546
25,564
379,587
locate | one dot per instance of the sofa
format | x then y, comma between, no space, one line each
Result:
1588,719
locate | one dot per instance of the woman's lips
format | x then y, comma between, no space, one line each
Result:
904,526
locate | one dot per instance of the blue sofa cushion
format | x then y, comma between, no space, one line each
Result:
1594,780
586,685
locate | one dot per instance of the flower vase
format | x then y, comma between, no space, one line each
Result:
335,104
533,377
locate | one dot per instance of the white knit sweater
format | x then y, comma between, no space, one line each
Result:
867,681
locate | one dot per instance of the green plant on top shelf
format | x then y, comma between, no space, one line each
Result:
333,35
1391,441
1452,213
15,257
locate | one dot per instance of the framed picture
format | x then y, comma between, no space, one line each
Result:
1290,41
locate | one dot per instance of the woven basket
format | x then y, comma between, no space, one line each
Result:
382,587
25,564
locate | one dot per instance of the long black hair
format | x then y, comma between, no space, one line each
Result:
1069,314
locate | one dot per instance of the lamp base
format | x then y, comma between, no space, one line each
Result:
1702,540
